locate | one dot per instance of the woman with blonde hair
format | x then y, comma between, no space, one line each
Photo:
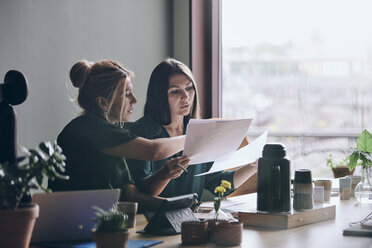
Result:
96,146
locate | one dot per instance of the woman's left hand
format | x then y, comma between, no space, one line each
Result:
175,167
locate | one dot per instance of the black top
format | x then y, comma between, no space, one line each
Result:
187,183
82,142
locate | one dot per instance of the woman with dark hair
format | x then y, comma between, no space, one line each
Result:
96,147
172,100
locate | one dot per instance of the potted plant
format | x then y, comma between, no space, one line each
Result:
17,213
339,169
111,231
362,155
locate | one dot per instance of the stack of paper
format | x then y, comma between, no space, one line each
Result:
218,141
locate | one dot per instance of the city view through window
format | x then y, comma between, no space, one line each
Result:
303,71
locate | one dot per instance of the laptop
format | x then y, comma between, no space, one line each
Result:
66,216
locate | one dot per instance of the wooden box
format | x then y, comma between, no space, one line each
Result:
287,220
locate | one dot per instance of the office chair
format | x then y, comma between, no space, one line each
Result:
13,92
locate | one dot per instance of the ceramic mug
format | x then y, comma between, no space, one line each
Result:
303,190
327,184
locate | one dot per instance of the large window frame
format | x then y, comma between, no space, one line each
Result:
206,64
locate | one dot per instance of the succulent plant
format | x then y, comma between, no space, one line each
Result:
109,221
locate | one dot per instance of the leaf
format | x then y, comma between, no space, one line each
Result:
353,159
364,142
46,147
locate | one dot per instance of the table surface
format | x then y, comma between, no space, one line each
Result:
322,234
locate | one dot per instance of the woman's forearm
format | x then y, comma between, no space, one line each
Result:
166,147
155,184
150,150
145,202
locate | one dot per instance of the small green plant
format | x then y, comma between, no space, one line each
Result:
362,153
111,220
334,164
17,179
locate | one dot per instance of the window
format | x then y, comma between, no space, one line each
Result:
302,70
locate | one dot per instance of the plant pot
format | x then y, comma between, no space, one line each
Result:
194,232
212,228
111,240
16,226
342,171
228,233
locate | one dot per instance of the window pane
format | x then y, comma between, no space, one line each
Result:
302,70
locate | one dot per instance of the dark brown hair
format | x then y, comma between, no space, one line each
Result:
157,105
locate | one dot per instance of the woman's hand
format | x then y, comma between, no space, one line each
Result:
175,167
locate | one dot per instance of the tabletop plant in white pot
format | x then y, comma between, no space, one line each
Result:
111,231
362,155
17,213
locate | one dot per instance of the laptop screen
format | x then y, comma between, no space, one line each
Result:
69,215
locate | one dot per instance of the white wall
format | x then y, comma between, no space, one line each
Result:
43,38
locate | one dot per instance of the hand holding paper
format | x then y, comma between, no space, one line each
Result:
213,140
246,155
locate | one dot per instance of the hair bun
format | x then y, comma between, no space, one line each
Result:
79,72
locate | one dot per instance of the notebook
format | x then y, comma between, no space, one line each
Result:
69,215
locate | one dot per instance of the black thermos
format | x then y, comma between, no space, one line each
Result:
273,180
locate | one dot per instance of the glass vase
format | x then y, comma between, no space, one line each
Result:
221,215
363,190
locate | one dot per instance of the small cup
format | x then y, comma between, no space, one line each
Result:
327,184
318,194
194,232
345,188
303,190
354,181
129,208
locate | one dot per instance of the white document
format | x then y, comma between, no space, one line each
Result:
246,155
212,140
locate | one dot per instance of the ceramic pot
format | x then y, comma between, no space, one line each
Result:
194,232
111,240
228,233
212,227
16,226
341,171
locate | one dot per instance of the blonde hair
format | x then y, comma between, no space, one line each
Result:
98,79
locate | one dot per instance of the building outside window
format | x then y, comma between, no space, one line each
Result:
302,70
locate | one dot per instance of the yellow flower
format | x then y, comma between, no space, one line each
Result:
226,184
219,189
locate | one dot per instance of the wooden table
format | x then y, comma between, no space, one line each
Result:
323,234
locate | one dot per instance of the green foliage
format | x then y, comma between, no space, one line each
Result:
362,153
111,220
17,179
334,164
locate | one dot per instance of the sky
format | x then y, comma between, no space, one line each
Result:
344,27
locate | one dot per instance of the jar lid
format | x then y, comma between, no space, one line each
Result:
273,151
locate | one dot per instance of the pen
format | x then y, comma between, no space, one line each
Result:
183,168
